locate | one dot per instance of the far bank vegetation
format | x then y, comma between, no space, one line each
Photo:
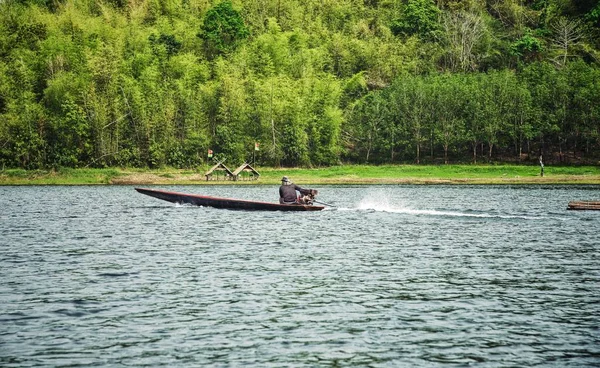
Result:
154,83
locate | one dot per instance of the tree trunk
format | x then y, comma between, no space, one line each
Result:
431,142
369,149
392,153
520,149
446,154
482,150
560,150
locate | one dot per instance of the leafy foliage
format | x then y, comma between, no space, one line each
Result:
159,82
527,47
420,17
223,28
169,42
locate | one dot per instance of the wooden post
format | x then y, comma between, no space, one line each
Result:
541,165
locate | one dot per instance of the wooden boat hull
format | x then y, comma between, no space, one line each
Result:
227,203
584,205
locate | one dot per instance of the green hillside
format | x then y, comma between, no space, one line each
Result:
153,83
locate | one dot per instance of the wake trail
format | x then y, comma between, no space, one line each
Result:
384,206
410,211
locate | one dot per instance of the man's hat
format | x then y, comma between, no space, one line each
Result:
285,179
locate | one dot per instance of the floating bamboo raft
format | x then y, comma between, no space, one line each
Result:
584,205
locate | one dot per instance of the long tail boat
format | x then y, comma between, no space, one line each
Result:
228,203
584,205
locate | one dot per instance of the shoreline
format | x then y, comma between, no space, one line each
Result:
336,175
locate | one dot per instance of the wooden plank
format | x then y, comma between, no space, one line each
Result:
584,205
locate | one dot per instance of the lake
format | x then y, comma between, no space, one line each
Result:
393,276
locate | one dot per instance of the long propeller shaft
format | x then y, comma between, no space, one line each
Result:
326,204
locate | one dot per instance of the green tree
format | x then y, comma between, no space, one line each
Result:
420,17
223,29
473,112
448,97
366,126
527,48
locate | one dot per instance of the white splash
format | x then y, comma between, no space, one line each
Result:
177,204
379,202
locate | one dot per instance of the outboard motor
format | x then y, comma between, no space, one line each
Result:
308,198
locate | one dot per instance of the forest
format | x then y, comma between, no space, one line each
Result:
308,83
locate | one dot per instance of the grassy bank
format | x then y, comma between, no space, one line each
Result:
351,174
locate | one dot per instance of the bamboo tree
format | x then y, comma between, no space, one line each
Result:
86,83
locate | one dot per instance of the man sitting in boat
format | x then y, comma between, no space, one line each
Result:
287,193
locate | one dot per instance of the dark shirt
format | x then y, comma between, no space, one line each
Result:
287,193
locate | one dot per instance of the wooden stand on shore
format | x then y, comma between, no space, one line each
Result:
584,205
213,173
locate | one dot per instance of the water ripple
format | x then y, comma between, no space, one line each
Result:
394,276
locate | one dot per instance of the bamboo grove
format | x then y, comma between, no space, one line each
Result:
150,83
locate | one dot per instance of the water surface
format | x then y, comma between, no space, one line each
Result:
414,276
